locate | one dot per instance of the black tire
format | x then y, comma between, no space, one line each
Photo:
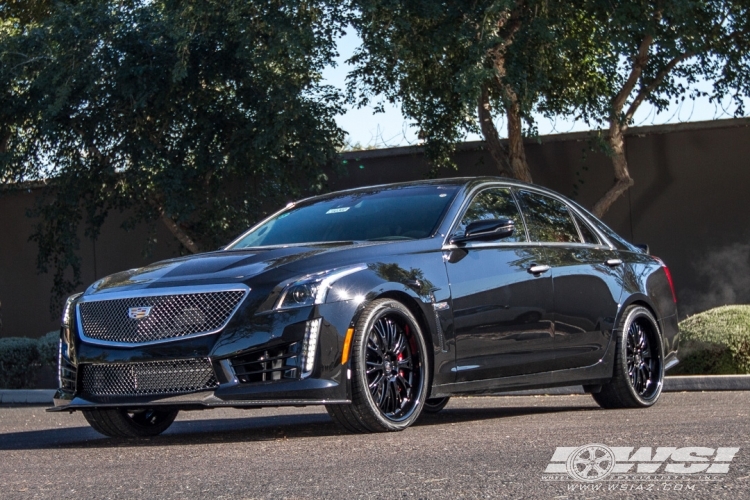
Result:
118,422
390,371
434,405
639,363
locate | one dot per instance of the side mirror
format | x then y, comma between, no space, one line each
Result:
487,230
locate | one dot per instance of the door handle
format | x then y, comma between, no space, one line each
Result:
538,269
614,262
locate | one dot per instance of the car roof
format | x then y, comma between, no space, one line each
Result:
467,182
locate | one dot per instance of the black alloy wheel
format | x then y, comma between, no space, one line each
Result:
639,362
119,422
389,371
391,368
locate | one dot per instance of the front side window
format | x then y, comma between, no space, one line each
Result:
548,220
494,203
395,213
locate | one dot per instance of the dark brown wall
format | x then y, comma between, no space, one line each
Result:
689,203
25,294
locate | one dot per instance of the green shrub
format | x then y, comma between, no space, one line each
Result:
715,342
18,358
49,347
21,359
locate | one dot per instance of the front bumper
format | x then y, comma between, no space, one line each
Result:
238,383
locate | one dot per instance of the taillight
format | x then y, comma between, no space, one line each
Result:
669,278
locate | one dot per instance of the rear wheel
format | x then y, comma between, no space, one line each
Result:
118,422
434,405
639,363
390,371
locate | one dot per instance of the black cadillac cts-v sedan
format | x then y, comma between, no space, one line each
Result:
379,303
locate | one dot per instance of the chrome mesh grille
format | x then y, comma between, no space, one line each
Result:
171,316
148,379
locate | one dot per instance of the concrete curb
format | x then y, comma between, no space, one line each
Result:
26,396
695,383
676,383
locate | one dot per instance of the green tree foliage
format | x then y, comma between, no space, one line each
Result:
656,51
199,114
451,64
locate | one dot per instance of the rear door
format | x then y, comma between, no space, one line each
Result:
502,312
585,278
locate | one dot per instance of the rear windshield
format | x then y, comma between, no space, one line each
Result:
402,213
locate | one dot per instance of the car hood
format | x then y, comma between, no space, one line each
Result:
214,267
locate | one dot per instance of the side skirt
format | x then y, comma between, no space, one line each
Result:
598,373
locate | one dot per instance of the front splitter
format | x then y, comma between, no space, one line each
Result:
192,401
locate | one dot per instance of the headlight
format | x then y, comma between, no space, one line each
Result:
313,289
67,315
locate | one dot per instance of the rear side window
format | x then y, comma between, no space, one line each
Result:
493,203
548,220
586,232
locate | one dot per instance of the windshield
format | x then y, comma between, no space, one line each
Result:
397,213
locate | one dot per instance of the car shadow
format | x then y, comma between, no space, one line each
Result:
247,429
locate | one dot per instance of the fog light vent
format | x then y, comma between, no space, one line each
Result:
274,363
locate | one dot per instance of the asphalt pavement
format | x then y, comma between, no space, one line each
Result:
482,447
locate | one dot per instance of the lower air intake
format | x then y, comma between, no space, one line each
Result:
148,379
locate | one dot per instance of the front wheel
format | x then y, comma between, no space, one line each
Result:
390,371
118,422
639,363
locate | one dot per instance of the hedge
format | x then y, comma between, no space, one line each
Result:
715,342
21,358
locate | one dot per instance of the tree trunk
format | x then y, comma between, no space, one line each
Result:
623,181
492,141
618,123
178,233
516,151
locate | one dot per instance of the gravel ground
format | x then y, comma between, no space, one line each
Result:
483,447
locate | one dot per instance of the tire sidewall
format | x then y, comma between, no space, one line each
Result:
435,408
362,330
634,314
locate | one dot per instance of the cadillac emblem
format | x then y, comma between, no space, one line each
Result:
138,312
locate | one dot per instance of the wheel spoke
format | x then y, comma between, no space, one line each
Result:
388,401
376,382
373,346
406,384
637,384
375,370
392,336
381,330
399,344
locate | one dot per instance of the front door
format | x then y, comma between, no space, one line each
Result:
502,312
